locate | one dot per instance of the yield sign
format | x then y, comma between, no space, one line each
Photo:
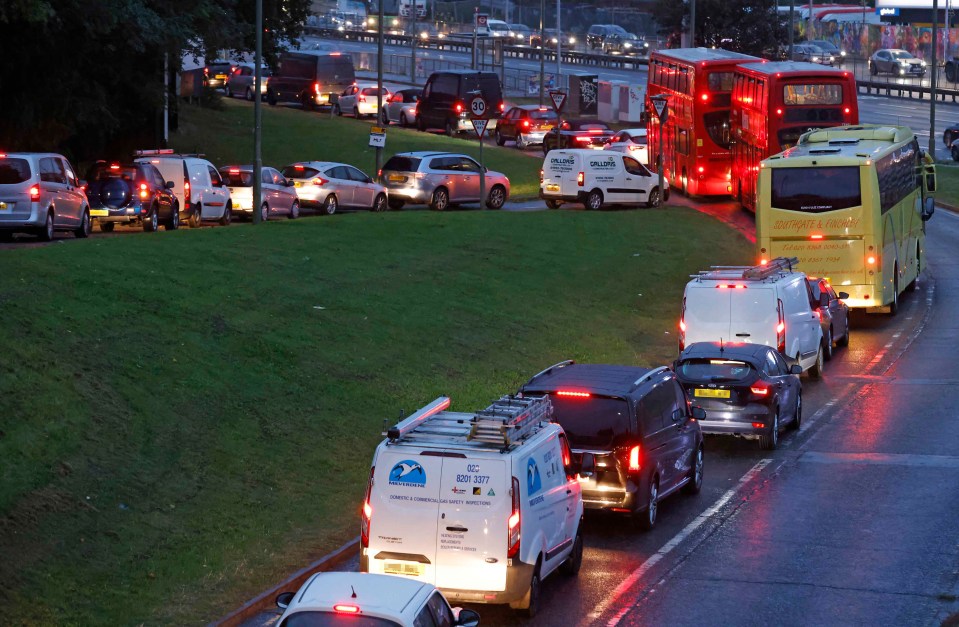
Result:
660,105
479,126
558,98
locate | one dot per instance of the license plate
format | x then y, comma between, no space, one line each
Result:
546,127
397,178
403,568
711,393
221,77
550,187
297,184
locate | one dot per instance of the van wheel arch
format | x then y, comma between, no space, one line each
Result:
529,604
594,199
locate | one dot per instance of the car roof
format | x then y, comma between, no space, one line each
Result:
315,164
601,379
372,593
740,350
531,107
422,154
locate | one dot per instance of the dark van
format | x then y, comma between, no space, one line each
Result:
446,99
309,78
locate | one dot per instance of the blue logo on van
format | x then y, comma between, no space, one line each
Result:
408,473
533,483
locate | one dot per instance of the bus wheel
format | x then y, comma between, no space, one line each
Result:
684,184
894,306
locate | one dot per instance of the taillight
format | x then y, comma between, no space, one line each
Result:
502,107
321,181
781,330
581,179
541,175
701,169
35,192
144,194
186,193
514,523
760,389
367,513
458,107
346,609
634,465
525,123
582,139
362,98
316,88
704,97
572,394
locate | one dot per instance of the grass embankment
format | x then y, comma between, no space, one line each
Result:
947,179
290,135
188,417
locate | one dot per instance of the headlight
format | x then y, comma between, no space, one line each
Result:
572,40
628,46
922,63
831,57
815,59
842,53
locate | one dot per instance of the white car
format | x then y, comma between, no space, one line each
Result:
335,598
277,193
401,107
196,183
327,186
631,141
360,100
597,178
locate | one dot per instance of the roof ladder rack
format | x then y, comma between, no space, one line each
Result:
414,420
509,419
779,264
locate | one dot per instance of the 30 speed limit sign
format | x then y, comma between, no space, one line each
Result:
478,107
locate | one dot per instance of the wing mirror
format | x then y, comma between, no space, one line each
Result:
699,413
169,185
587,465
283,599
289,183
928,208
843,295
467,618
795,369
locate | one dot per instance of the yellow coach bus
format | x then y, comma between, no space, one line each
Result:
851,203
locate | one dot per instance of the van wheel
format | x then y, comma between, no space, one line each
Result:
653,198
695,484
553,204
441,199
769,441
85,226
816,371
227,214
195,218
529,604
827,345
571,566
48,230
647,518
594,200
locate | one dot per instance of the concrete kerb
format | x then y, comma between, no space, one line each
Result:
265,600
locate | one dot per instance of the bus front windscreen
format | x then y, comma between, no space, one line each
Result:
816,190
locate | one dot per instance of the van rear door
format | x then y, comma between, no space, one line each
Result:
474,511
560,169
753,315
707,313
405,502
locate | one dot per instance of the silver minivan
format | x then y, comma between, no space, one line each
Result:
40,193
440,179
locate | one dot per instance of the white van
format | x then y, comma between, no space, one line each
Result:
769,304
484,506
598,178
196,184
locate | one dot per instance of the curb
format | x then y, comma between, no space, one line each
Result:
265,600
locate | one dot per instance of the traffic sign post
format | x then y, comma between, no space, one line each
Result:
559,101
378,137
478,107
478,116
662,112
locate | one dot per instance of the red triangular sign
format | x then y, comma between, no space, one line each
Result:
479,126
559,99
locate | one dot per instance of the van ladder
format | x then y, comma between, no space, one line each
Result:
763,271
510,419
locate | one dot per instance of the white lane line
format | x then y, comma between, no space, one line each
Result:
819,414
697,522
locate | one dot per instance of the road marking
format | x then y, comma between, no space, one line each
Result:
635,576
882,459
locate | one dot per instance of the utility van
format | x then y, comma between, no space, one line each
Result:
769,304
309,78
482,505
598,178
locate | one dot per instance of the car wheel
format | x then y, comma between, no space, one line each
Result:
271,98
955,153
500,140
654,199
574,562
379,204
403,120
265,213
496,198
107,227
295,210
174,222
196,217
594,200
553,204
85,226
521,143
769,441
356,113
440,200
330,205
48,231
873,69
827,345
797,414
450,131
151,221
695,483
227,215
647,518
384,118
396,205
229,91
816,371
249,94
420,124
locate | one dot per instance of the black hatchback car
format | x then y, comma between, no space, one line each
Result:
638,427
578,134
131,193
745,389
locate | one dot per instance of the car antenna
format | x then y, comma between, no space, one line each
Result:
353,596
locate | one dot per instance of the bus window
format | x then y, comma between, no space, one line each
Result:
719,81
812,94
815,190
717,126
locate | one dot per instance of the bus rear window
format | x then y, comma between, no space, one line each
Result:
816,190
717,125
719,81
812,94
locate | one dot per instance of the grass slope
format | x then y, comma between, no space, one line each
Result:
290,135
186,418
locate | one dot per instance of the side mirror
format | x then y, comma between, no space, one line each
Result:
283,599
81,183
928,208
587,465
169,185
467,618
699,413
795,369
289,183
843,295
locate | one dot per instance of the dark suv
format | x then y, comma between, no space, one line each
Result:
131,193
637,426
446,98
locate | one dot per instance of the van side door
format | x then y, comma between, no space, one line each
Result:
654,450
638,181
799,315
72,191
220,193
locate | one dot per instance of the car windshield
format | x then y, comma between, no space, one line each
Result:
237,178
595,421
335,619
402,164
901,54
638,138
13,170
715,370
299,172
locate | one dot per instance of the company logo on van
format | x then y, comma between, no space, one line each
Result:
533,482
562,160
608,163
408,473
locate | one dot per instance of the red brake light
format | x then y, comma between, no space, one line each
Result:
234,170
815,237
582,139
846,110
298,167
316,88
513,523
525,123
346,609
581,179
781,327
682,326
704,97
458,107
35,192
701,169
572,393
367,514
760,388
634,459
186,193
502,106
114,166
362,98
319,181
541,175
779,111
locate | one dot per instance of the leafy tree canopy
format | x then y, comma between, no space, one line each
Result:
747,26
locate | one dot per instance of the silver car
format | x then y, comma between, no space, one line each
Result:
440,179
401,107
241,79
898,62
632,141
277,194
40,193
326,185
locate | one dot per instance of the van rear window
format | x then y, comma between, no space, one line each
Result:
14,170
402,164
592,422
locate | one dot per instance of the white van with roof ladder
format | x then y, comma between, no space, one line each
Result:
482,505
769,304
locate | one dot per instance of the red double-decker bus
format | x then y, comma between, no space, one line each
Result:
698,83
773,104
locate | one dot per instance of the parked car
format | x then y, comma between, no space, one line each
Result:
364,599
440,179
578,134
833,314
276,192
446,97
327,186
216,72
898,62
552,38
632,141
401,107
241,80
309,78
950,135
40,193
197,185
746,390
361,100
131,193
637,428
838,54
812,54
526,125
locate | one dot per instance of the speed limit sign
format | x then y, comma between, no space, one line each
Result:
478,107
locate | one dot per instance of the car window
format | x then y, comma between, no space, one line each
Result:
680,404
649,412
441,610
48,171
719,370
156,176
356,175
67,171
446,84
14,170
780,362
424,618
215,179
634,167
299,172
468,165
442,163
595,421
339,172
265,177
238,178
770,366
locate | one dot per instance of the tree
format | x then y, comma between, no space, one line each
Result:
747,26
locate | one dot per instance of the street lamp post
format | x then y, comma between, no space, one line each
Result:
257,126
542,50
932,81
692,28
379,75
559,47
